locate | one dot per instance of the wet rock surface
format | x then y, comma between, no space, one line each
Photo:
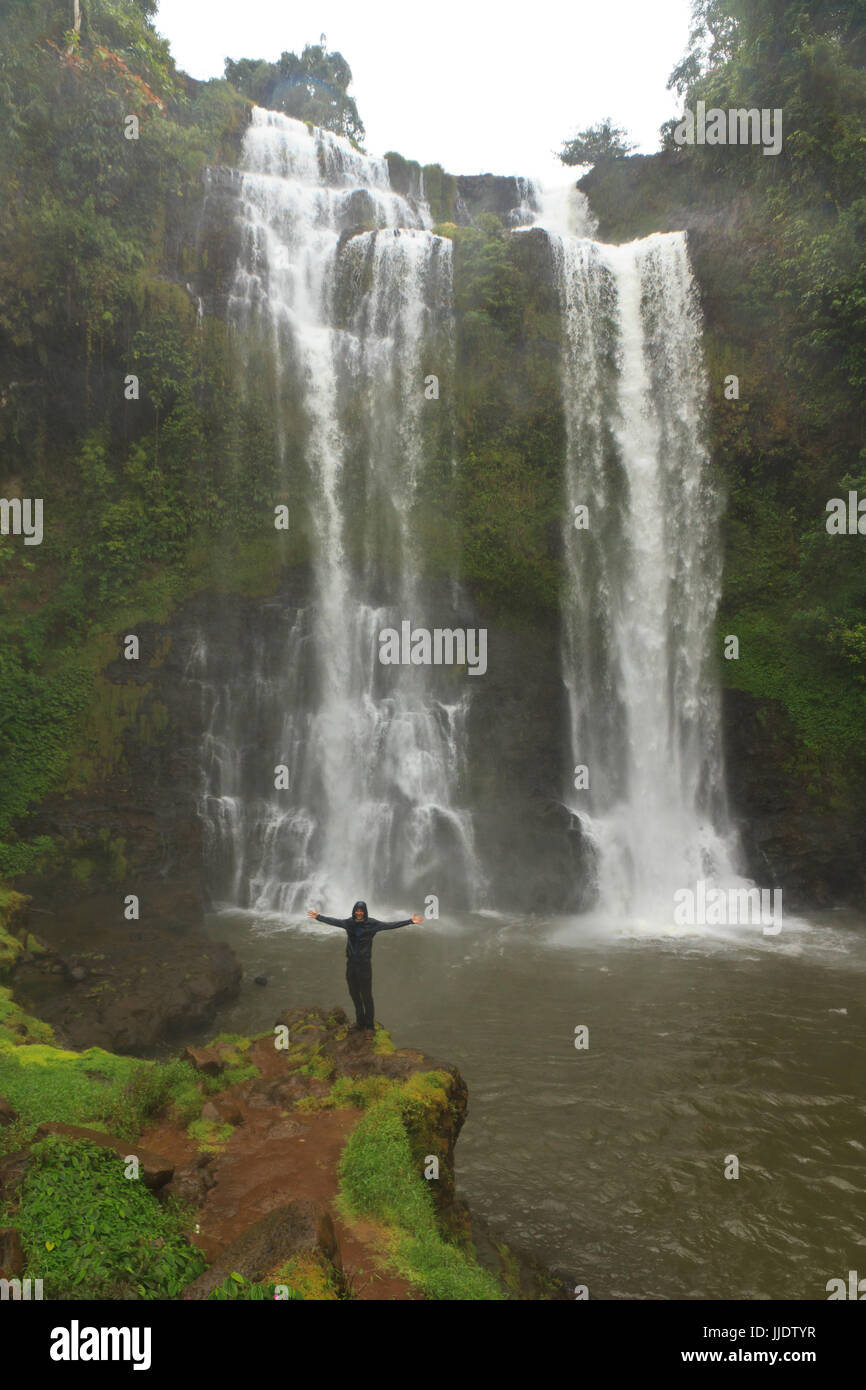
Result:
125,986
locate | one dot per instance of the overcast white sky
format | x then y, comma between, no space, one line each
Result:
473,85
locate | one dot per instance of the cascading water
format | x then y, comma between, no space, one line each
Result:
373,753
644,571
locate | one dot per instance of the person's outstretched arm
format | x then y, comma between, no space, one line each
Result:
392,926
331,921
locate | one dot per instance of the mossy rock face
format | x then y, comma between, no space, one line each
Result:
309,1275
433,1105
404,174
14,935
17,1026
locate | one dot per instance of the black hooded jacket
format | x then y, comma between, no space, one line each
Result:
359,935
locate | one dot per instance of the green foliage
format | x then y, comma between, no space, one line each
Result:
210,1135
379,1179
362,1091
96,1089
312,87
16,1026
510,428
440,190
596,144
89,1232
87,222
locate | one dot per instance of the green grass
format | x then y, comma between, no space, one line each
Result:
94,1088
89,1232
210,1135
16,1026
379,1179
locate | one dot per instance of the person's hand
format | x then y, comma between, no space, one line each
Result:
417,918
311,913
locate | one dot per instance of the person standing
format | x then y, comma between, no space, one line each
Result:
360,930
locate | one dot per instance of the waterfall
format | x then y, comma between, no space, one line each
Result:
643,573
343,278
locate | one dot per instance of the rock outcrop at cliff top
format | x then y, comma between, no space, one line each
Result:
266,1199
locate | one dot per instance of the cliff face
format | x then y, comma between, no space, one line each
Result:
134,825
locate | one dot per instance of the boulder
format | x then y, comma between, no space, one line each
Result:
154,1169
285,1093
222,1110
301,1225
204,1059
191,1182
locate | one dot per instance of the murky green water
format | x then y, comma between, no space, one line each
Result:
610,1162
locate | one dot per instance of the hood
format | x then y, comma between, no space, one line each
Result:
363,907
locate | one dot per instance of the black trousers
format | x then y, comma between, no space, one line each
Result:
359,978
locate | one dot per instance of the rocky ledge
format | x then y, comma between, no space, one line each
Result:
311,1162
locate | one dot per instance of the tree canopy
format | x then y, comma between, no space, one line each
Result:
596,143
312,87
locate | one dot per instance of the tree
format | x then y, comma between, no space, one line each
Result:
597,143
312,87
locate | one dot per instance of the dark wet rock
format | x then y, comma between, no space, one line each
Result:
191,1181
816,856
301,1225
143,981
260,979
358,210
494,193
